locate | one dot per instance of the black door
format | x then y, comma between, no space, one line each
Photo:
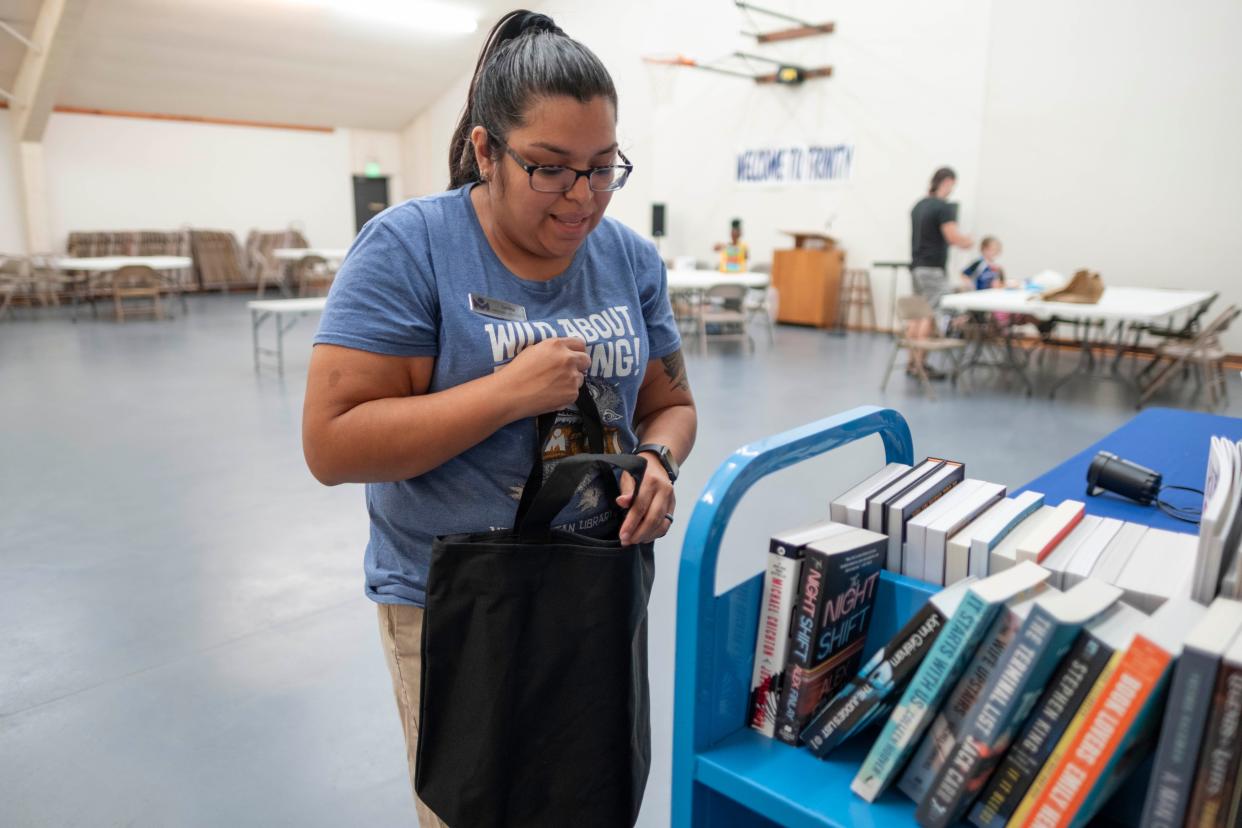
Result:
370,198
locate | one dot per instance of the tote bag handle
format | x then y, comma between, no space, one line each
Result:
592,426
561,485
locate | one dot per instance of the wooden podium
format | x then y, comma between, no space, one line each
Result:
808,280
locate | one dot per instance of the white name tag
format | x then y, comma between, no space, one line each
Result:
496,308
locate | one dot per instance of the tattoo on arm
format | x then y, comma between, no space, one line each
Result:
675,368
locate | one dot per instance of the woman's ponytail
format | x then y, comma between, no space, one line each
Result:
525,55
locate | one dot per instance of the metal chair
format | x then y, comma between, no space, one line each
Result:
723,306
137,282
1204,352
917,309
313,276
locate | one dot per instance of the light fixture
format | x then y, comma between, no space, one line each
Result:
426,15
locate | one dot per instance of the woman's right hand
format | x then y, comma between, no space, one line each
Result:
546,377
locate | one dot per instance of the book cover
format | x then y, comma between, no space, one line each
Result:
876,512
850,507
938,672
1217,773
909,505
839,577
780,586
942,734
1013,688
1007,517
1066,693
1186,714
870,693
1119,725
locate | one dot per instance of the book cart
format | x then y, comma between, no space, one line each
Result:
725,773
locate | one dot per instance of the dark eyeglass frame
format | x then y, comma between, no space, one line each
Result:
530,170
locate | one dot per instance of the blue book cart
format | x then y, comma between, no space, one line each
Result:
724,773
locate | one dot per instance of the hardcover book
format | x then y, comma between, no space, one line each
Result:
839,577
851,507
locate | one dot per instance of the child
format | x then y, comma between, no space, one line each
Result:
984,273
734,255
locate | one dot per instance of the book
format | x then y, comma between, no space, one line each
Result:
1058,560
1094,648
1160,567
780,585
1119,727
870,694
1217,775
1005,554
1084,560
941,735
876,515
995,525
1214,524
910,504
913,550
836,594
1052,528
1186,714
1114,557
1021,674
850,508
951,520
938,672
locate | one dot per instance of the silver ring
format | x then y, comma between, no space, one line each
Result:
668,517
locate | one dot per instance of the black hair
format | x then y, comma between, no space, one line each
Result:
939,177
526,56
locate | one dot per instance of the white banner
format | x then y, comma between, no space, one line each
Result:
794,165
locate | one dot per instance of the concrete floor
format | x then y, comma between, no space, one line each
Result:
185,637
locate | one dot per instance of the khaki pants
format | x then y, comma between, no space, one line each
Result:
401,633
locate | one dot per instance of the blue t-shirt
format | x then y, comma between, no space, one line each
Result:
402,291
983,274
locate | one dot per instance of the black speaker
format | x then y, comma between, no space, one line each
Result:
657,220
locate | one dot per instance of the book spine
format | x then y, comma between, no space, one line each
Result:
1095,747
802,635
931,681
1181,735
1218,758
1053,713
990,725
1061,535
942,734
843,616
884,676
1023,812
780,582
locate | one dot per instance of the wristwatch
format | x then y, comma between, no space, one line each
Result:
666,458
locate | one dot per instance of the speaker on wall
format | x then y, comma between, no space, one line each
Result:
657,220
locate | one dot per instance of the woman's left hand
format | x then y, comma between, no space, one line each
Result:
650,515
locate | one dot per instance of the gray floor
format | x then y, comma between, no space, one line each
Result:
185,639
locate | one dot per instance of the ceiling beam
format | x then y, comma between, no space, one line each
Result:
38,80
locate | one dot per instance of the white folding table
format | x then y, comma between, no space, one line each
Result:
276,309
1118,309
111,264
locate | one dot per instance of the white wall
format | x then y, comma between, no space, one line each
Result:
12,229
384,148
1110,140
107,173
907,91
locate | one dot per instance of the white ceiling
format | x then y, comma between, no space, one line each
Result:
279,61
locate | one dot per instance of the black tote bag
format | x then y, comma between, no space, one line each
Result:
534,705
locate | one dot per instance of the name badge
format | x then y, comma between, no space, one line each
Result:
496,308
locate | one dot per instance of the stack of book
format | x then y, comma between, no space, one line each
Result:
943,526
1218,569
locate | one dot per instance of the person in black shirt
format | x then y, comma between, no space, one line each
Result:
934,227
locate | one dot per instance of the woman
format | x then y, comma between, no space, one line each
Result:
459,317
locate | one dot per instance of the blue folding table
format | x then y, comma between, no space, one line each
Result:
724,773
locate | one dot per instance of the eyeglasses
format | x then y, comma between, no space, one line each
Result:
557,178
